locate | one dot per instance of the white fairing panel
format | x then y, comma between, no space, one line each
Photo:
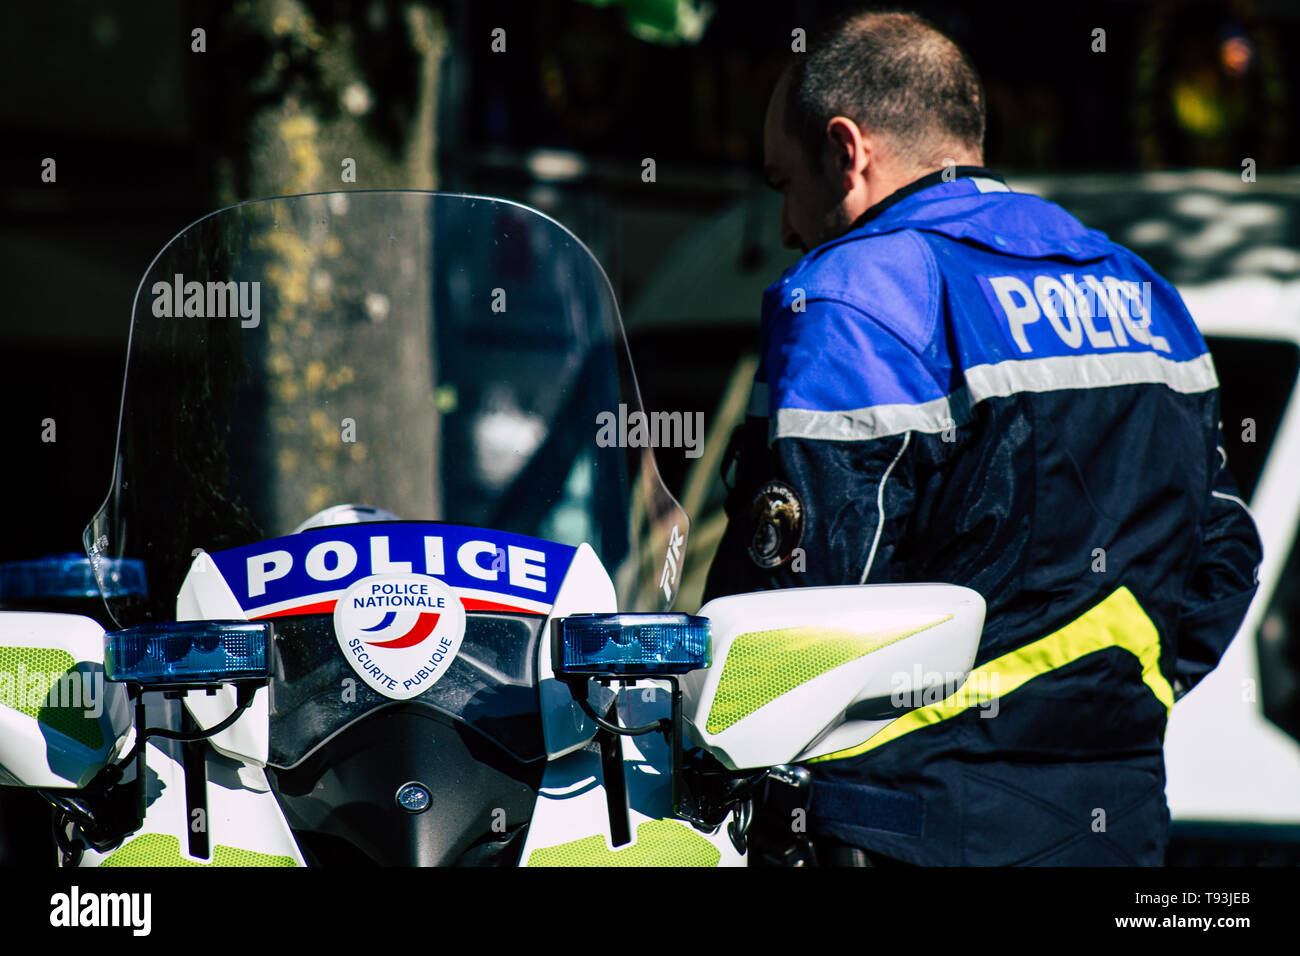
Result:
60,720
205,596
243,821
570,825
789,664
587,589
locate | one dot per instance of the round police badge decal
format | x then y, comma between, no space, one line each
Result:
777,517
400,632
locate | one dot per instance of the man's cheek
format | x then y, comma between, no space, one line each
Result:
806,223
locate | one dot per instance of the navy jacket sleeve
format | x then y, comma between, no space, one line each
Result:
833,445
858,504
1223,583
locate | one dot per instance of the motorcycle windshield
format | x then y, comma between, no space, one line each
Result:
441,357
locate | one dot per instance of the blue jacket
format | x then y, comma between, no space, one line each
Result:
969,386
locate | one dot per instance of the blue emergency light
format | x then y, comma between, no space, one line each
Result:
189,653
638,645
70,576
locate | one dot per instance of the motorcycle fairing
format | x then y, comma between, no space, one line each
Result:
489,570
60,720
241,820
571,824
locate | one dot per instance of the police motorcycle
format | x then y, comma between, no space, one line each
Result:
382,592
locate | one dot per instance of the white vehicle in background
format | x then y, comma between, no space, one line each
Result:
1231,750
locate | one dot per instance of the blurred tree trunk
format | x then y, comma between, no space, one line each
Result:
325,95
310,83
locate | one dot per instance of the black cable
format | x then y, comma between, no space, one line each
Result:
243,702
83,819
662,724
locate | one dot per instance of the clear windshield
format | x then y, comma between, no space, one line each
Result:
440,357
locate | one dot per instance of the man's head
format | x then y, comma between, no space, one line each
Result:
880,100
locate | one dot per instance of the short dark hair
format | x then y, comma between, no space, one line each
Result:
895,75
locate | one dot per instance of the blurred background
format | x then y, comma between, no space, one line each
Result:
1167,125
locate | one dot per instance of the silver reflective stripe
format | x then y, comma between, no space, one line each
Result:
876,421
1090,371
999,380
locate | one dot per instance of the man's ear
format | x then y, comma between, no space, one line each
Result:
847,151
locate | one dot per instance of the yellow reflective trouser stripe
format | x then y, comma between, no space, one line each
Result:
1118,621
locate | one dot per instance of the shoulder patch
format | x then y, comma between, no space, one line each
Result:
777,518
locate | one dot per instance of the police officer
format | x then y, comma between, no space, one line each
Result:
961,383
